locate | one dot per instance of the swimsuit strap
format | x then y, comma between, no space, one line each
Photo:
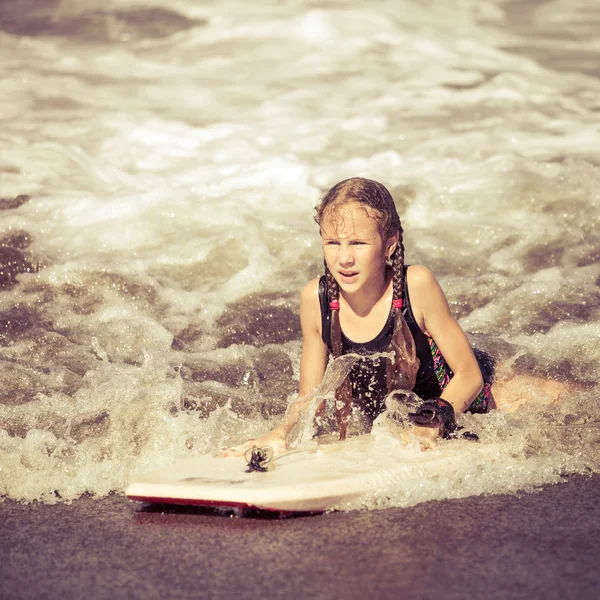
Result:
381,342
325,312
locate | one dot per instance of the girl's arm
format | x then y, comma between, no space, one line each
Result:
433,316
312,368
314,355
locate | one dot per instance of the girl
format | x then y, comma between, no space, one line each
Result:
369,302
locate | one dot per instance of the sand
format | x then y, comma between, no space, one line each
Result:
540,545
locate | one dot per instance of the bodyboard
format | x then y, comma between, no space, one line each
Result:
316,479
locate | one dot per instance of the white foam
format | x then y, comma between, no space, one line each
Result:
172,177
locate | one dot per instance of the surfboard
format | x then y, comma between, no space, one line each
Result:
319,478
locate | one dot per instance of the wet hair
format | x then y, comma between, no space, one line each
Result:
373,196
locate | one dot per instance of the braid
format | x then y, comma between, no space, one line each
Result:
403,372
343,394
333,293
398,268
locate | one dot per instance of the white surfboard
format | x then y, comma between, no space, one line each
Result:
321,478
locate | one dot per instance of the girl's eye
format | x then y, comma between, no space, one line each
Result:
357,243
331,243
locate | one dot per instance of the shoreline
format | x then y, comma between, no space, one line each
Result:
535,545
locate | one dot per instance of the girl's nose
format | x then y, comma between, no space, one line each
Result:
346,256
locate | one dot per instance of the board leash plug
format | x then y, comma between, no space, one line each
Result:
257,458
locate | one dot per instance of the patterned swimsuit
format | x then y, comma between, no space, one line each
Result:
368,377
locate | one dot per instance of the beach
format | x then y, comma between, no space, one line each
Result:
538,545
159,169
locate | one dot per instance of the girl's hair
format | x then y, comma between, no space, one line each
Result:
402,373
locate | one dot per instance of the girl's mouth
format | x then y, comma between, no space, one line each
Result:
348,277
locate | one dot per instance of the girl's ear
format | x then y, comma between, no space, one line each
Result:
391,245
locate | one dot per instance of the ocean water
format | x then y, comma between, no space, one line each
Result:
159,165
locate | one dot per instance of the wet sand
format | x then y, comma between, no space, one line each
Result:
541,545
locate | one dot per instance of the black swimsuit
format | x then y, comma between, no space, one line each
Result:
368,377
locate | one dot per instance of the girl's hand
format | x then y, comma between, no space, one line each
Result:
275,439
427,436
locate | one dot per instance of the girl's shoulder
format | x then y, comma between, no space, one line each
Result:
310,307
310,290
309,296
426,295
418,276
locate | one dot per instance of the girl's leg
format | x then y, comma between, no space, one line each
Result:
510,394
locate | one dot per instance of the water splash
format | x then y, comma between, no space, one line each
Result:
157,184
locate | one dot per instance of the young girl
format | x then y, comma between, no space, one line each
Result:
369,302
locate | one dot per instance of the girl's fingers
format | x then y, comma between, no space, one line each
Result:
237,450
427,444
425,437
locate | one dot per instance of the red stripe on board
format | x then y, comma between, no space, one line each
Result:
217,503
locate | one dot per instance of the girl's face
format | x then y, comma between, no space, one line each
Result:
353,248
